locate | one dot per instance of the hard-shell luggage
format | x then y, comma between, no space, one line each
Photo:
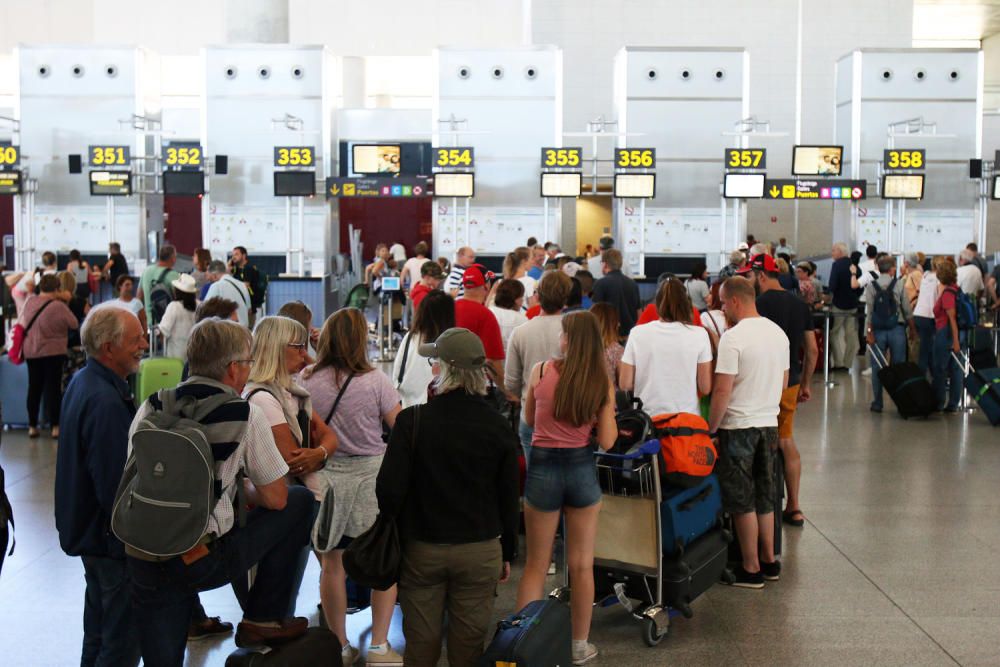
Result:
14,395
537,636
907,386
688,514
689,574
984,385
157,373
318,647
982,348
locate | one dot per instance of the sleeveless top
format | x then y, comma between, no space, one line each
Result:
550,432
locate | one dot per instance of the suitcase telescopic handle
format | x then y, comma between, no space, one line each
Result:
878,356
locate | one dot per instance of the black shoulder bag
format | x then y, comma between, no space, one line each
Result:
373,558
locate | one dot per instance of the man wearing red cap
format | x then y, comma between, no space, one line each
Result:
793,316
472,314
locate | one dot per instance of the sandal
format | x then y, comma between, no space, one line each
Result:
788,517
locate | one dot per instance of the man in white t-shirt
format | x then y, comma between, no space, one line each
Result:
970,278
751,373
228,287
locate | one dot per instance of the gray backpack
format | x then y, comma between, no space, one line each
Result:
169,487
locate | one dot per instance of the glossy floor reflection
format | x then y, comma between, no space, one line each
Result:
894,566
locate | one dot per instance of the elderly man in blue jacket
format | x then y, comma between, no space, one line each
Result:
93,444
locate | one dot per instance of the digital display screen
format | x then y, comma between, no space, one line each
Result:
294,183
996,187
111,183
744,186
184,183
390,284
375,159
817,160
10,182
454,185
562,184
637,186
903,186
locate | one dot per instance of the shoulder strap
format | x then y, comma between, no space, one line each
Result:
340,395
257,391
711,318
237,284
406,353
159,281
35,316
892,283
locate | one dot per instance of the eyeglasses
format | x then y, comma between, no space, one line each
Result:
298,346
242,361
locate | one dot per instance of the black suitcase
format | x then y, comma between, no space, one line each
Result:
537,636
703,564
906,385
982,348
318,647
984,385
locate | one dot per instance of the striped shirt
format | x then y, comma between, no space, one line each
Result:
454,280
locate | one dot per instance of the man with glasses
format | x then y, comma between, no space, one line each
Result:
165,590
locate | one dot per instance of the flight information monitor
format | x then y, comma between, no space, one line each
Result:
10,183
565,184
817,160
111,183
294,183
903,186
375,159
744,186
637,186
184,183
454,185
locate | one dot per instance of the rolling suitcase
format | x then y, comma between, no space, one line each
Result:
318,647
689,574
907,386
984,385
982,348
537,636
157,373
14,395
689,514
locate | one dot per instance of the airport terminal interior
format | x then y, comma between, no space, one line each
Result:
289,164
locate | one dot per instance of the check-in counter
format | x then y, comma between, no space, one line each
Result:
317,292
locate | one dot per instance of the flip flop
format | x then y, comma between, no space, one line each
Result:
789,518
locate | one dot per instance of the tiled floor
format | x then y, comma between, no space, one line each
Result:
894,567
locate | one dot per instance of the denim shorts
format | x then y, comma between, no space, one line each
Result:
559,478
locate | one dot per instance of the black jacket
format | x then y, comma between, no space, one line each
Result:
461,484
621,292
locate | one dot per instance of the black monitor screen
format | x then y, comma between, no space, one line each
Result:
184,183
294,183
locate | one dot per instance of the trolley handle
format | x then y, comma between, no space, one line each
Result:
647,448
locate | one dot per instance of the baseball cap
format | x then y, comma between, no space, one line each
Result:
475,276
458,347
743,246
761,262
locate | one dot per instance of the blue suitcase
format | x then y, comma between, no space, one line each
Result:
14,395
688,514
984,385
537,636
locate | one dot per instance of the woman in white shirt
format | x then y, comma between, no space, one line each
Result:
411,374
923,314
515,267
667,363
410,275
125,287
697,287
178,319
507,303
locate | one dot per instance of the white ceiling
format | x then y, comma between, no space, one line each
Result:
955,20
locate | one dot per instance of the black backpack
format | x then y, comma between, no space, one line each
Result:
885,310
634,425
160,296
6,523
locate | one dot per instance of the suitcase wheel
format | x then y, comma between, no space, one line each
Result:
728,577
651,634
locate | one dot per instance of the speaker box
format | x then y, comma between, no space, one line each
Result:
76,164
222,164
975,168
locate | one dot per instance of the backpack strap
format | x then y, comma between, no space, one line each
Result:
406,353
340,395
163,274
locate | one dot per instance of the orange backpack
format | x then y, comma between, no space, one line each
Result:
687,454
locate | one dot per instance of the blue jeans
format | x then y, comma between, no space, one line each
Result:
948,373
526,433
163,594
925,329
892,344
109,637
560,478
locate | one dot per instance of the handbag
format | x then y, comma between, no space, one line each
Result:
373,558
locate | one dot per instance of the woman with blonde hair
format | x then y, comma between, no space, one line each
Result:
355,399
566,397
515,267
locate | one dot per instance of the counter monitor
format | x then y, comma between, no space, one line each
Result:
817,160
635,186
10,183
294,183
111,183
996,187
454,185
567,184
375,159
903,186
184,183
744,186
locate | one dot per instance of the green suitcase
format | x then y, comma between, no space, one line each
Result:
155,374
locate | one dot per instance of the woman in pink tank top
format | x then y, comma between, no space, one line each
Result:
566,398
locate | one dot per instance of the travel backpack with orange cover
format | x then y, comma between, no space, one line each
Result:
687,454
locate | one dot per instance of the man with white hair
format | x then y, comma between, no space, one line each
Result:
228,287
970,278
93,445
844,328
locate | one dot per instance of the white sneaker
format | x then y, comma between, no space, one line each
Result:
349,655
582,657
867,372
388,659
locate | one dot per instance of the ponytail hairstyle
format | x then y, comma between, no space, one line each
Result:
583,384
513,261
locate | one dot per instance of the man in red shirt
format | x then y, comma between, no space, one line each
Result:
431,276
471,314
